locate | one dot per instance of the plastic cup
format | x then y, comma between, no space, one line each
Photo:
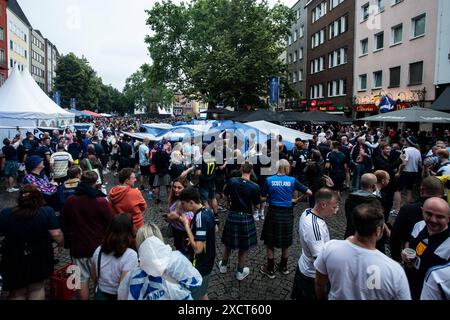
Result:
410,253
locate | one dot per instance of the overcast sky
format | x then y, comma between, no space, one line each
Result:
109,33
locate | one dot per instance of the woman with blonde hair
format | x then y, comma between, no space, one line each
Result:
162,274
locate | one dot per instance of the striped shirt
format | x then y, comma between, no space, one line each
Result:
60,163
437,283
313,232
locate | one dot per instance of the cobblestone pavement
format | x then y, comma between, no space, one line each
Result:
225,286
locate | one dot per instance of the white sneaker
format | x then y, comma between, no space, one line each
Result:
11,190
222,268
242,275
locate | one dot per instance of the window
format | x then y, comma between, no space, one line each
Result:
317,65
416,73
2,57
302,30
300,75
300,56
380,5
2,36
394,79
289,40
365,12
364,46
318,38
339,26
338,57
11,45
319,11
397,34
316,91
379,41
294,77
337,88
295,55
335,3
295,35
290,58
418,26
363,82
298,14
378,79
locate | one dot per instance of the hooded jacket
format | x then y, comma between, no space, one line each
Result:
85,217
124,199
353,200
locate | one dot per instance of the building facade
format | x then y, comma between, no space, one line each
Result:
330,54
442,70
18,37
51,60
395,53
3,43
37,49
297,45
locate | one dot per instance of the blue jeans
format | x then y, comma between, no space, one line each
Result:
358,171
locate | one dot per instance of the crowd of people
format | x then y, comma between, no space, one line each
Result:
62,201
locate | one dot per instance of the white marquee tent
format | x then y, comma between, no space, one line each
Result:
24,104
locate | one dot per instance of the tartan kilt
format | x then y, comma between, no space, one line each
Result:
239,232
303,288
278,227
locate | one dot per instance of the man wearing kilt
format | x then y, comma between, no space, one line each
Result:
278,226
239,232
313,232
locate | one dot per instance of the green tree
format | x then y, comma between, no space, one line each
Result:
141,91
76,79
215,50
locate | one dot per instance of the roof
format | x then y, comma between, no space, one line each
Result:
443,102
14,6
38,32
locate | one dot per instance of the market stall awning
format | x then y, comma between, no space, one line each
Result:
414,114
95,115
443,102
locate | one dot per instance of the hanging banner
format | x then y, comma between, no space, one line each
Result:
274,90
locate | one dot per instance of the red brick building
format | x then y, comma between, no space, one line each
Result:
3,43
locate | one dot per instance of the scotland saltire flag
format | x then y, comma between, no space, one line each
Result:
387,104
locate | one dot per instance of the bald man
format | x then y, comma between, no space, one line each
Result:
365,195
431,240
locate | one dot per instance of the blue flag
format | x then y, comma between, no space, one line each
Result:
387,104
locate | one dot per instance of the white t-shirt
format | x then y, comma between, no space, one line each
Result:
437,283
143,153
413,158
314,234
356,273
112,268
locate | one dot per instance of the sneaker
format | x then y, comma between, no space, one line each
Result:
283,270
269,274
222,268
10,190
242,275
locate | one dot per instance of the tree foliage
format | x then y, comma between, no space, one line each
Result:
215,50
141,91
75,78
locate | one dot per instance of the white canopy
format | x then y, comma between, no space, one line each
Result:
287,133
23,103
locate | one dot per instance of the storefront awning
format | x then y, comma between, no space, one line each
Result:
443,102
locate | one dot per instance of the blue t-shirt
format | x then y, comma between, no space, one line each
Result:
204,230
279,190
